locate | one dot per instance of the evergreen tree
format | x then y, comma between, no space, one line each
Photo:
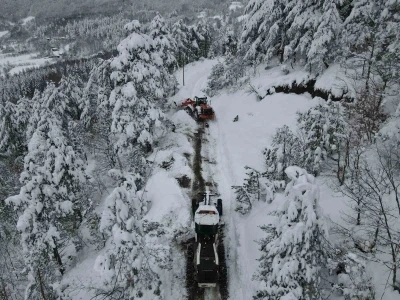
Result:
255,188
324,129
12,127
247,194
292,253
137,96
225,41
95,99
370,45
163,40
326,39
216,81
205,37
165,45
50,202
302,18
186,39
264,30
130,265
286,151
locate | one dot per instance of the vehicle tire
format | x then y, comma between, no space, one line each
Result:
189,111
219,206
195,206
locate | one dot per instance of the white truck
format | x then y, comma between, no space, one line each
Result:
207,219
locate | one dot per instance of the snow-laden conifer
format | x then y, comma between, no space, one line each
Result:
326,38
130,266
138,93
165,46
50,201
286,150
292,253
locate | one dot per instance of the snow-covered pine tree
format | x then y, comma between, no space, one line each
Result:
206,32
326,39
34,118
51,200
365,42
187,48
312,126
264,30
302,17
256,187
13,124
249,192
225,40
165,45
130,265
324,129
286,150
71,87
227,74
137,97
293,252
96,108
216,81
7,128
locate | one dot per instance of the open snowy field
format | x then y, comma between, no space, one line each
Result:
19,63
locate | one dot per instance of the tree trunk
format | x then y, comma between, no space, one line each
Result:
369,66
57,256
42,292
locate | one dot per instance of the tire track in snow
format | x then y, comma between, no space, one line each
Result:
224,177
209,173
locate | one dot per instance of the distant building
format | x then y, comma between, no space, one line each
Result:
55,52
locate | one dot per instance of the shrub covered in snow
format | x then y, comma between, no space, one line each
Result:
351,278
217,80
284,69
255,188
292,253
227,74
286,150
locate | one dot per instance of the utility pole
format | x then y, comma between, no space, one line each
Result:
183,69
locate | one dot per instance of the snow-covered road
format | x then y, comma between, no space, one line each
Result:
227,147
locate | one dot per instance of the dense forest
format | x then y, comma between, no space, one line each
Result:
76,138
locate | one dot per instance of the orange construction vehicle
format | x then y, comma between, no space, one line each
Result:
198,108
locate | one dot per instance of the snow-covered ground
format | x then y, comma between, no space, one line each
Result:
3,33
233,145
235,5
239,144
228,147
26,20
19,63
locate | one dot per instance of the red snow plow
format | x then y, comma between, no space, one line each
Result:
198,108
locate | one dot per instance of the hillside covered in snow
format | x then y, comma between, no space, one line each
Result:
250,156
